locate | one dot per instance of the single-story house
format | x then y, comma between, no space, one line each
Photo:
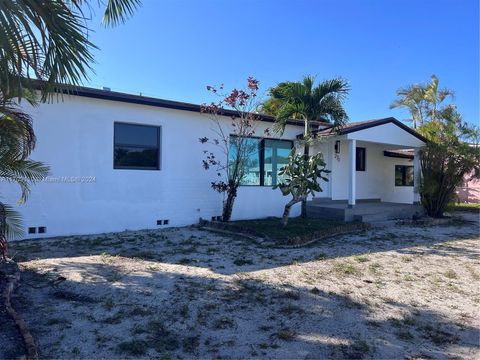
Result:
120,161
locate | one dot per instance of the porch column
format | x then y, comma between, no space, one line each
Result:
416,176
352,146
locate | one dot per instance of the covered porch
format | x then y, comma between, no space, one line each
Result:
375,171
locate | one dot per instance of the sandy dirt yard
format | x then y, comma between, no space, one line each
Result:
399,291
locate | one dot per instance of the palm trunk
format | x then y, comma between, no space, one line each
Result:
306,151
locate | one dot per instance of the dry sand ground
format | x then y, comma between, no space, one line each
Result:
394,292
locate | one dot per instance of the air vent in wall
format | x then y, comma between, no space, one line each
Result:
42,230
32,230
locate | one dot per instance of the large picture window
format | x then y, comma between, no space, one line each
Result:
403,175
264,159
136,147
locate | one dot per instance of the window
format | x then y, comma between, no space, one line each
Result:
275,156
265,158
360,163
251,167
403,175
136,147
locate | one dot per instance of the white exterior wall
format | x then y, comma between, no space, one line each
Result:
75,137
376,182
326,148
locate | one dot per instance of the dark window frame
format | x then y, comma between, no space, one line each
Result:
158,147
261,154
403,170
363,159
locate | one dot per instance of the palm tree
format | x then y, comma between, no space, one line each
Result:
46,40
17,140
302,100
412,98
422,100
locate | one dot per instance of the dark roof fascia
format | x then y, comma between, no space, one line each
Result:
397,155
383,122
151,101
373,123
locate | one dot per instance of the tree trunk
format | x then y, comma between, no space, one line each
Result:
306,151
228,205
286,212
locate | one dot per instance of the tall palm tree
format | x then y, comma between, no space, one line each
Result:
302,100
422,100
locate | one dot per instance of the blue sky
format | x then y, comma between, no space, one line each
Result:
173,48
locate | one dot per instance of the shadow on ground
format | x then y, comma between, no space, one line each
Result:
228,255
112,308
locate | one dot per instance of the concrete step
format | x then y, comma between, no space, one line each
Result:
376,213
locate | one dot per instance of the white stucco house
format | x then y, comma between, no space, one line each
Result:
120,161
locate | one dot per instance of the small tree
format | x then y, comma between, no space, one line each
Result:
451,153
232,139
301,178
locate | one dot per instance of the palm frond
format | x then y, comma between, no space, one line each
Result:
119,11
11,225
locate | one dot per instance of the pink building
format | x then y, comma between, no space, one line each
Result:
469,191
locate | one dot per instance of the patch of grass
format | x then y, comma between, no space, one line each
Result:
475,275
242,262
286,334
161,338
297,227
357,350
114,276
116,318
185,261
191,343
224,323
470,207
375,268
140,311
361,258
132,347
57,321
290,309
450,274
345,268
27,247
315,291
438,336
184,311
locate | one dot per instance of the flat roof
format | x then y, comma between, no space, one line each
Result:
157,102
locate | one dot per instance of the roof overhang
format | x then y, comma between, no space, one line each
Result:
109,95
384,131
